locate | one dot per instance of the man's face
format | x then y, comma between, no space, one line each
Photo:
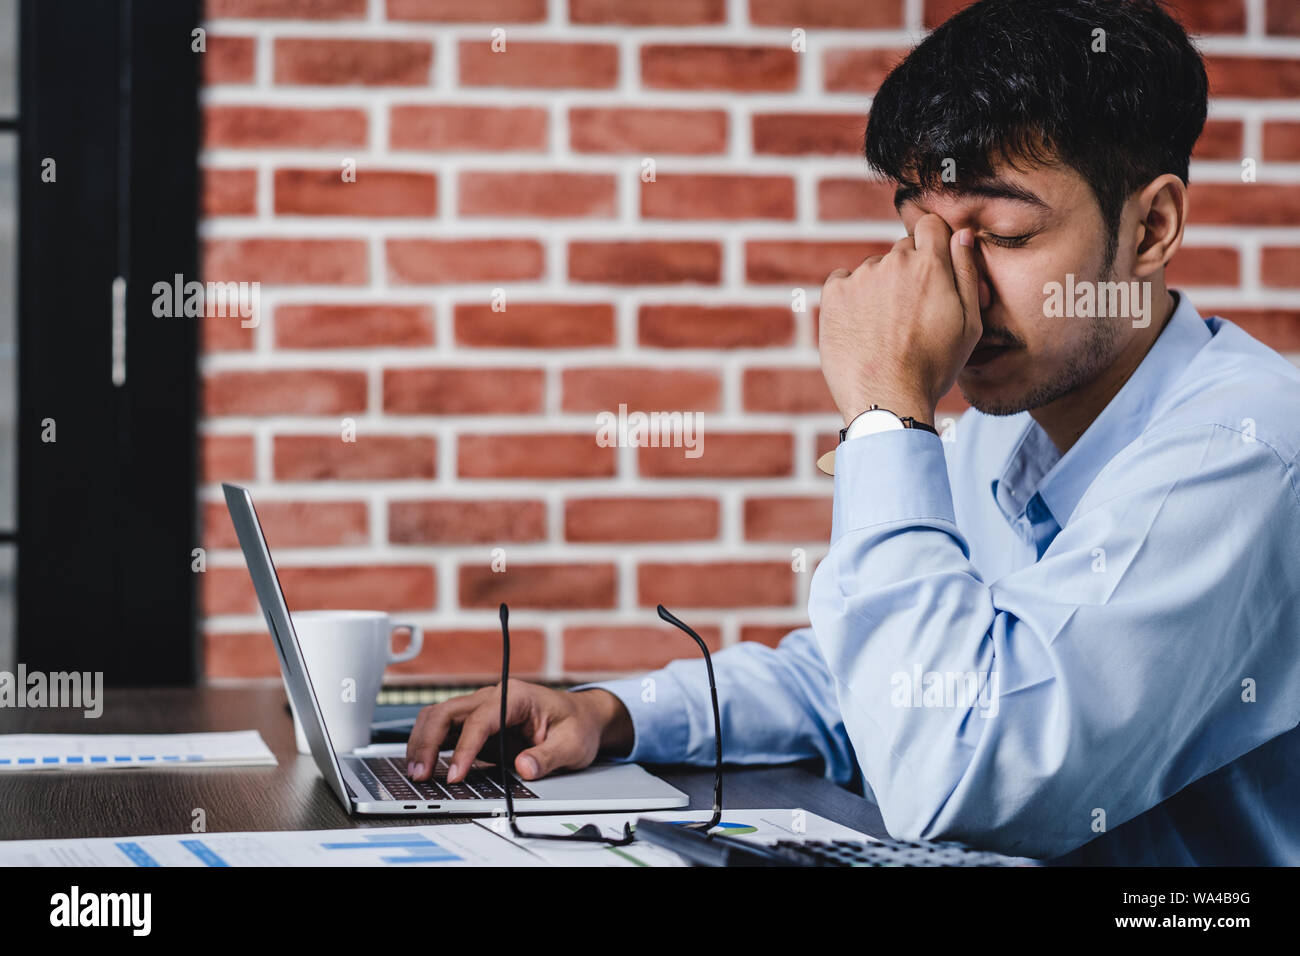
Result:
1052,227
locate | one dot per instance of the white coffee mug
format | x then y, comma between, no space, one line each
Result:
346,653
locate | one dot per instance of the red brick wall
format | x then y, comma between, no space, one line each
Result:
521,171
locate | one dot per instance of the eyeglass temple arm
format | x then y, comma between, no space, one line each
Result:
590,832
668,616
664,614
501,734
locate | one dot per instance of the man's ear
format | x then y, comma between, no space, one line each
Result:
1162,216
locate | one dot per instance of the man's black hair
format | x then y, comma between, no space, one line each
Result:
1012,79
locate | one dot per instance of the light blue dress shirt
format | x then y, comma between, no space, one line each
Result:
1092,657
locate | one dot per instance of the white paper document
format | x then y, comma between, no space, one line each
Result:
456,844
761,826
487,842
241,748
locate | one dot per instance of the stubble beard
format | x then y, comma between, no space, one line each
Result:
1094,354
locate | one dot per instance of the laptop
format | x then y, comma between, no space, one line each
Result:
369,782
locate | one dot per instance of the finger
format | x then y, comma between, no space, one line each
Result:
867,263
966,275
563,749
931,234
429,732
838,274
478,726
922,234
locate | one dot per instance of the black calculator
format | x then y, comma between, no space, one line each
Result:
715,849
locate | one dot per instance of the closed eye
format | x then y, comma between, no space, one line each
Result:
1008,242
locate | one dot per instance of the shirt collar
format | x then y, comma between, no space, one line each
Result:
1060,480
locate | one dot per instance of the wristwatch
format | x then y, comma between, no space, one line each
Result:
874,419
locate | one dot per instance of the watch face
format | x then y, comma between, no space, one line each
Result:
875,420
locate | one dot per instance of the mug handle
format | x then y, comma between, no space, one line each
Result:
412,650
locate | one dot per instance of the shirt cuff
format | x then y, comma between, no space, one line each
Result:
892,476
660,727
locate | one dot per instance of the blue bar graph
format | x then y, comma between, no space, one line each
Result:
418,847
204,853
82,759
137,854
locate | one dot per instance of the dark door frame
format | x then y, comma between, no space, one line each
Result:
106,512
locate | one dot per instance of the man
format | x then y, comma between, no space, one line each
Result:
1068,627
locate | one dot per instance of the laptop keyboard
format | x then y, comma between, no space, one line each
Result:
387,780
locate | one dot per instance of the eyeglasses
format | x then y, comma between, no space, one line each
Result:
590,832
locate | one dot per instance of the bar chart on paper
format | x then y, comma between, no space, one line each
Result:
242,748
393,849
449,845
485,843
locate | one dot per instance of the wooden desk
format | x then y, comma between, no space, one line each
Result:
292,795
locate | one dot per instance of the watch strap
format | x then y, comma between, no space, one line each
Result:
907,420
826,463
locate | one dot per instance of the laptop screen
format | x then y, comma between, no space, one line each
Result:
297,681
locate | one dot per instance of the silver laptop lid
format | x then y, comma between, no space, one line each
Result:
296,679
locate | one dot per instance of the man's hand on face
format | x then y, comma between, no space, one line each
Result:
565,730
896,331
